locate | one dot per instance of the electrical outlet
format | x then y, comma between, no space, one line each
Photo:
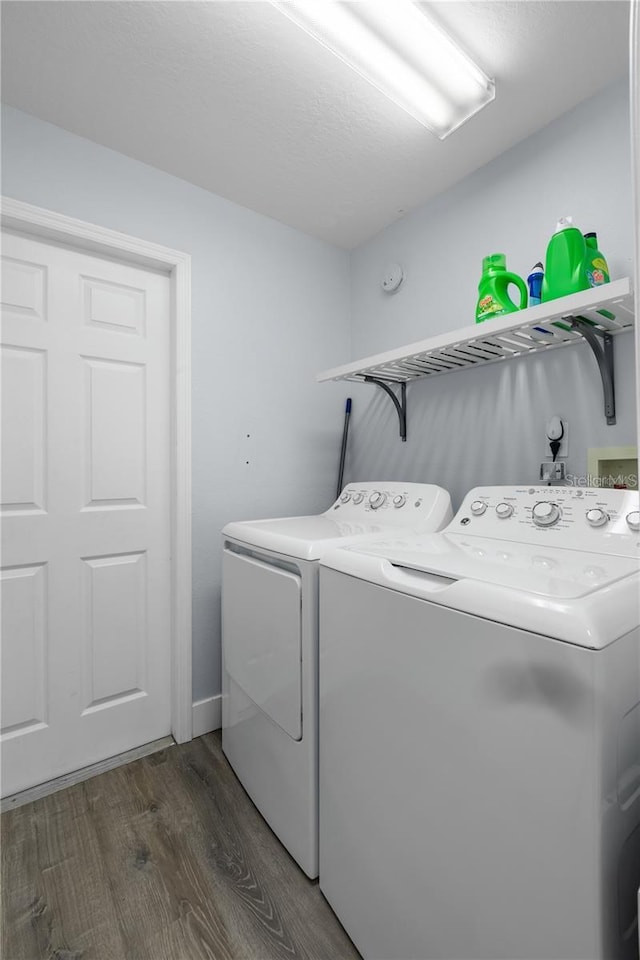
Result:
563,451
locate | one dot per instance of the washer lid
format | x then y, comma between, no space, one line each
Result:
548,572
586,599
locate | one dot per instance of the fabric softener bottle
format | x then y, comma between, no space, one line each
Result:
493,296
597,269
565,268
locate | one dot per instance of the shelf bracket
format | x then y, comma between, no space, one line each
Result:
400,405
603,352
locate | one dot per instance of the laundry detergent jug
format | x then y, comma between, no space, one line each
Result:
565,269
493,295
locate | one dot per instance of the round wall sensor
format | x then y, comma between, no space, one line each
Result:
393,277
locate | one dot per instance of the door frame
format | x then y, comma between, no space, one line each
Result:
634,122
53,227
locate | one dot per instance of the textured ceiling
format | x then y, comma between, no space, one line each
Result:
233,97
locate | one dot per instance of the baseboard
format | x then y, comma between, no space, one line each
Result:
207,715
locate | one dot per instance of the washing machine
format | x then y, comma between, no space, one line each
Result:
480,732
270,644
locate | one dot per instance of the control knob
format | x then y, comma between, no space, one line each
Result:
377,499
358,497
633,520
597,517
478,507
345,497
504,510
545,513
399,501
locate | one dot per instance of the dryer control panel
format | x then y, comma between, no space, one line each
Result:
600,520
393,503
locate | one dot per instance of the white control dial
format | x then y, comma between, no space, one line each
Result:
633,520
377,499
597,517
345,497
478,507
358,497
504,510
545,514
400,500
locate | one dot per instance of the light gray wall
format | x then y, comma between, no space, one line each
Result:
487,425
270,309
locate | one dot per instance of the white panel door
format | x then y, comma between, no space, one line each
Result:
85,504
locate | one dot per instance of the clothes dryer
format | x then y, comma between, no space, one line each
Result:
270,644
480,732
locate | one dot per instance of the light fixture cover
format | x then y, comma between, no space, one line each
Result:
403,52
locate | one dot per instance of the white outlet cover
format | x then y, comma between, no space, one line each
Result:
393,277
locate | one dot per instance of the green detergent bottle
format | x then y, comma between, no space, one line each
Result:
493,297
597,268
565,268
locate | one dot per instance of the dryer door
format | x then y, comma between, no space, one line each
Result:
261,636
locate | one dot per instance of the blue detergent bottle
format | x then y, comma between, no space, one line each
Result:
534,283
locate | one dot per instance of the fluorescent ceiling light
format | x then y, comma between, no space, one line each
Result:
399,49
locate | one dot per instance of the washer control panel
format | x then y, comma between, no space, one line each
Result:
582,518
392,502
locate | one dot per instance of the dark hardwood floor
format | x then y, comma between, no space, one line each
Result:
165,858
